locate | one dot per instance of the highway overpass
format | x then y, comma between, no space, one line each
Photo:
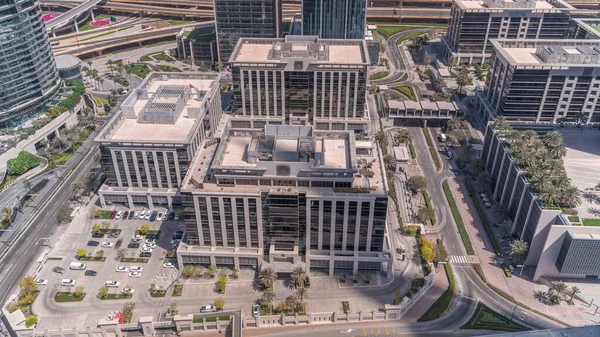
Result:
65,18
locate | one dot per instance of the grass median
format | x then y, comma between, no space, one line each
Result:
441,305
460,224
432,149
379,75
485,318
483,217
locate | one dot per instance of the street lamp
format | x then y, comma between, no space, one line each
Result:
521,266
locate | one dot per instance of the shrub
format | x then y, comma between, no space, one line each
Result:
31,321
24,162
462,229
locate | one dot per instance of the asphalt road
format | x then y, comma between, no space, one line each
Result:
16,262
394,56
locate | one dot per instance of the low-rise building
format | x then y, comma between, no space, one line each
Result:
198,45
286,196
300,80
148,145
400,111
542,81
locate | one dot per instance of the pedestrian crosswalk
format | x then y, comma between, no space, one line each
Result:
381,331
458,259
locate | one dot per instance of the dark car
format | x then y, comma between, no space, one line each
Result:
90,273
131,214
125,214
97,235
171,216
113,235
152,236
307,282
92,243
113,214
133,245
145,254
58,270
153,216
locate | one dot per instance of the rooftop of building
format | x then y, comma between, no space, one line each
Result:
286,152
296,48
67,61
200,34
165,107
520,5
574,53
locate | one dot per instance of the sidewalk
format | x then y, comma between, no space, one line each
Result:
439,286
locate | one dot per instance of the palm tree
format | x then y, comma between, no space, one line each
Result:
77,189
542,296
483,181
8,214
28,184
561,181
553,167
98,158
551,195
500,212
501,123
402,136
475,167
574,291
110,66
559,288
301,293
389,160
471,153
541,181
518,251
454,123
268,296
571,197
298,276
267,277
219,66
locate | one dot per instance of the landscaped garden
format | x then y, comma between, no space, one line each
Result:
485,318
379,75
406,91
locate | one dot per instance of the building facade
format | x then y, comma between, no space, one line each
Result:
300,80
198,45
542,81
148,145
334,19
28,74
473,23
251,18
283,197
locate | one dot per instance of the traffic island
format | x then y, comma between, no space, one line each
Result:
485,318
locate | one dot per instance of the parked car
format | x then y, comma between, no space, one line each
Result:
159,216
113,235
121,269
107,244
90,273
151,241
150,245
58,270
164,217
255,310
41,281
68,282
93,243
127,291
168,265
112,284
171,216
97,235
136,268
136,215
135,274
146,249
113,214
208,308
145,254
119,215
137,237
153,216
131,215
125,215
152,236
133,245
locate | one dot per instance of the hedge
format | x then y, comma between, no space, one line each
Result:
428,205
24,162
71,101
484,220
441,305
413,153
433,150
460,224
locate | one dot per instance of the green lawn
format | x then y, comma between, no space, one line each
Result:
404,77
67,297
162,57
93,258
134,260
158,293
115,297
485,318
178,22
441,305
591,222
387,31
140,70
460,224
177,290
202,34
597,28
432,149
406,91
483,217
161,67
101,102
214,319
88,25
379,75
410,36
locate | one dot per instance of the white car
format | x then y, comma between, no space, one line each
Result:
128,291
112,284
119,215
150,241
136,215
146,250
137,237
121,269
150,245
41,281
168,265
107,244
136,268
165,217
159,216
68,282
135,274
208,308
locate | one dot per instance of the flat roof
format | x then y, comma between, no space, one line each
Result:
335,153
470,4
130,129
234,154
401,153
523,55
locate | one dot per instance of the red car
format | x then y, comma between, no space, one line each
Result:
113,214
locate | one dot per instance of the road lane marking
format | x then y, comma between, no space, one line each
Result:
378,330
386,330
393,330
365,331
372,332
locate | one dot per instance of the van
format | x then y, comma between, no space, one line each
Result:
77,266
68,282
442,137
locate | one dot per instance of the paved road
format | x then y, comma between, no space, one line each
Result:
25,249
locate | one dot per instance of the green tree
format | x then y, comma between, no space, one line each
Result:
77,189
518,251
219,303
455,123
27,286
188,271
267,277
121,253
103,292
462,79
100,253
573,291
425,214
79,291
389,161
222,283
298,276
301,293
95,227
402,136
267,297
235,274
31,321
483,181
144,229
382,139
7,215
64,215
81,252
427,254
559,288
500,212
212,270
417,184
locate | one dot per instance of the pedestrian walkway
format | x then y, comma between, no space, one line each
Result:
439,286
459,259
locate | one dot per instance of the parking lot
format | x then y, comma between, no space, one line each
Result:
77,236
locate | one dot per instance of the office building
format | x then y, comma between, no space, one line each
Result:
286,196
198,46
559,245
300,80
148,145
249,18
473,23
28,74
542,81
334,19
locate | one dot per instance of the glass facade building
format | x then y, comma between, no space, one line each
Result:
28,74
579,255
334,19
